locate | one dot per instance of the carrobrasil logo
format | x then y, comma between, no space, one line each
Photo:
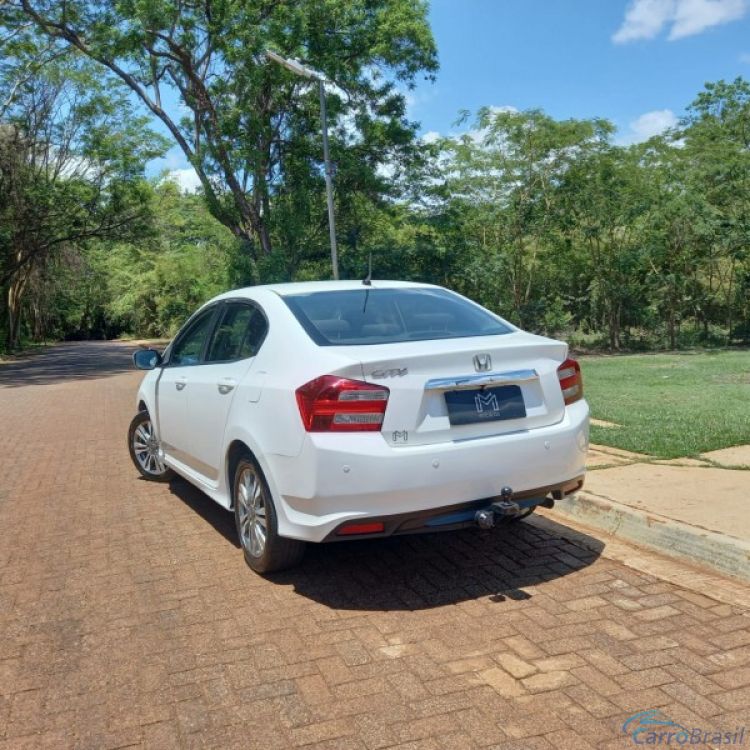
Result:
652,728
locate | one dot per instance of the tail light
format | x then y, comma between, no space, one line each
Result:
334,404
571,382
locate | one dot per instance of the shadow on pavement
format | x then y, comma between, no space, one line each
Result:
430,570
73,360
419,571
211,512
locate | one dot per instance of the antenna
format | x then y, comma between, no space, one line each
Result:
367,281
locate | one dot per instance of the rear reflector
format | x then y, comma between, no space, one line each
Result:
571,381
361,528
334,404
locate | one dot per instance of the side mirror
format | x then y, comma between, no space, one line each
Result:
146,359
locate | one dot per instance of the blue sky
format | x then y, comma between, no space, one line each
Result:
638,63
581,58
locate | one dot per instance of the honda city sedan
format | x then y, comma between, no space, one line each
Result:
325,411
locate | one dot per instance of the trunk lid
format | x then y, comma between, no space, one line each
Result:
419,374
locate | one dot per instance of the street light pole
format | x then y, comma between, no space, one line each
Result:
329,182
305,72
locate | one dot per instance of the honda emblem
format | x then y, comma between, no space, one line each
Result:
482,362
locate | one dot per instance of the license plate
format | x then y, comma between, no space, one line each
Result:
485,404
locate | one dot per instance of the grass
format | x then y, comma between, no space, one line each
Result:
670,405
27,347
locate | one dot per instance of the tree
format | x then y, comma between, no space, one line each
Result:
251,123
716,135
71,161
503,180
604,196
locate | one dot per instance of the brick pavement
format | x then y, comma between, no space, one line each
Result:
129,619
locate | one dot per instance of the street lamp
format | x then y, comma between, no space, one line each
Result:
312,75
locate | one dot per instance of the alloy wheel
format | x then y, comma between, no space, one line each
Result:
147,449
252,512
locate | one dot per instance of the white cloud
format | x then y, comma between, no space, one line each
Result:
186,179
648,125
745,58
431,136
645,19
503,108
694,16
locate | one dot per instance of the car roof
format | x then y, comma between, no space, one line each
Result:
308,287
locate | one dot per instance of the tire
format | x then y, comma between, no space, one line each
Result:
144,449
255,517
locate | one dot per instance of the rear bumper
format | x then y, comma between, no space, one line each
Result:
452,517
340,477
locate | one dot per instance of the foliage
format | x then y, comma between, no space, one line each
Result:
71,162
551,223
153,287
252,130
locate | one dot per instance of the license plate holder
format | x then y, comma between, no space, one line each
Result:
478,405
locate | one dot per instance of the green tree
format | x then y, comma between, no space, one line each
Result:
716,137
502,179
72,153
251,131
604,196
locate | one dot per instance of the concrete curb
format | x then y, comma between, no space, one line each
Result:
724,554
693,577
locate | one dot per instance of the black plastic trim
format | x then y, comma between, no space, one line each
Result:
414,522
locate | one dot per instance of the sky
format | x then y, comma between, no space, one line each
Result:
638,63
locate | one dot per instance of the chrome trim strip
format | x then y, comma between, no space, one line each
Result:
473,381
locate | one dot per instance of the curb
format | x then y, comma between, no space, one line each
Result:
724,554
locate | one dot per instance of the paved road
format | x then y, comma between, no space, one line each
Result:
128,617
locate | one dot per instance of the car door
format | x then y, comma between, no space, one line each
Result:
236,339
177,377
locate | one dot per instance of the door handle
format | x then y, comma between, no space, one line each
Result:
180,383
226,385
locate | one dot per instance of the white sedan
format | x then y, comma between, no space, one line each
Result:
325,411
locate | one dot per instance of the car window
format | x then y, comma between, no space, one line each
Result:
239,334
189,347
257,329
384,316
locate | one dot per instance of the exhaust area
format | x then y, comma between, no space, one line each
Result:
505,509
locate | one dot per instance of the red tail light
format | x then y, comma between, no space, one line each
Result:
571,382
361,528
334,404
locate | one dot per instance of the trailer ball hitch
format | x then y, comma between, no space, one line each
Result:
503,507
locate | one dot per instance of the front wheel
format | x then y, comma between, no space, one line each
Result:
145,450
255,516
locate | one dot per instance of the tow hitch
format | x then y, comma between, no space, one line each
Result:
505,508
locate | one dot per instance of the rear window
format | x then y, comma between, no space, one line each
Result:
385,316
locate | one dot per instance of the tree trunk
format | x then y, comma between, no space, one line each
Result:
264,237
671,329
614,318
15,292
730,310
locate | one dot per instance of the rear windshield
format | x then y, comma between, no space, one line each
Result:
385,316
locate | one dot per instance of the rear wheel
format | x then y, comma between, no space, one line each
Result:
145,449
255,516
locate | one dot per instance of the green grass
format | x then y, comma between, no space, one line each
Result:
670,405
